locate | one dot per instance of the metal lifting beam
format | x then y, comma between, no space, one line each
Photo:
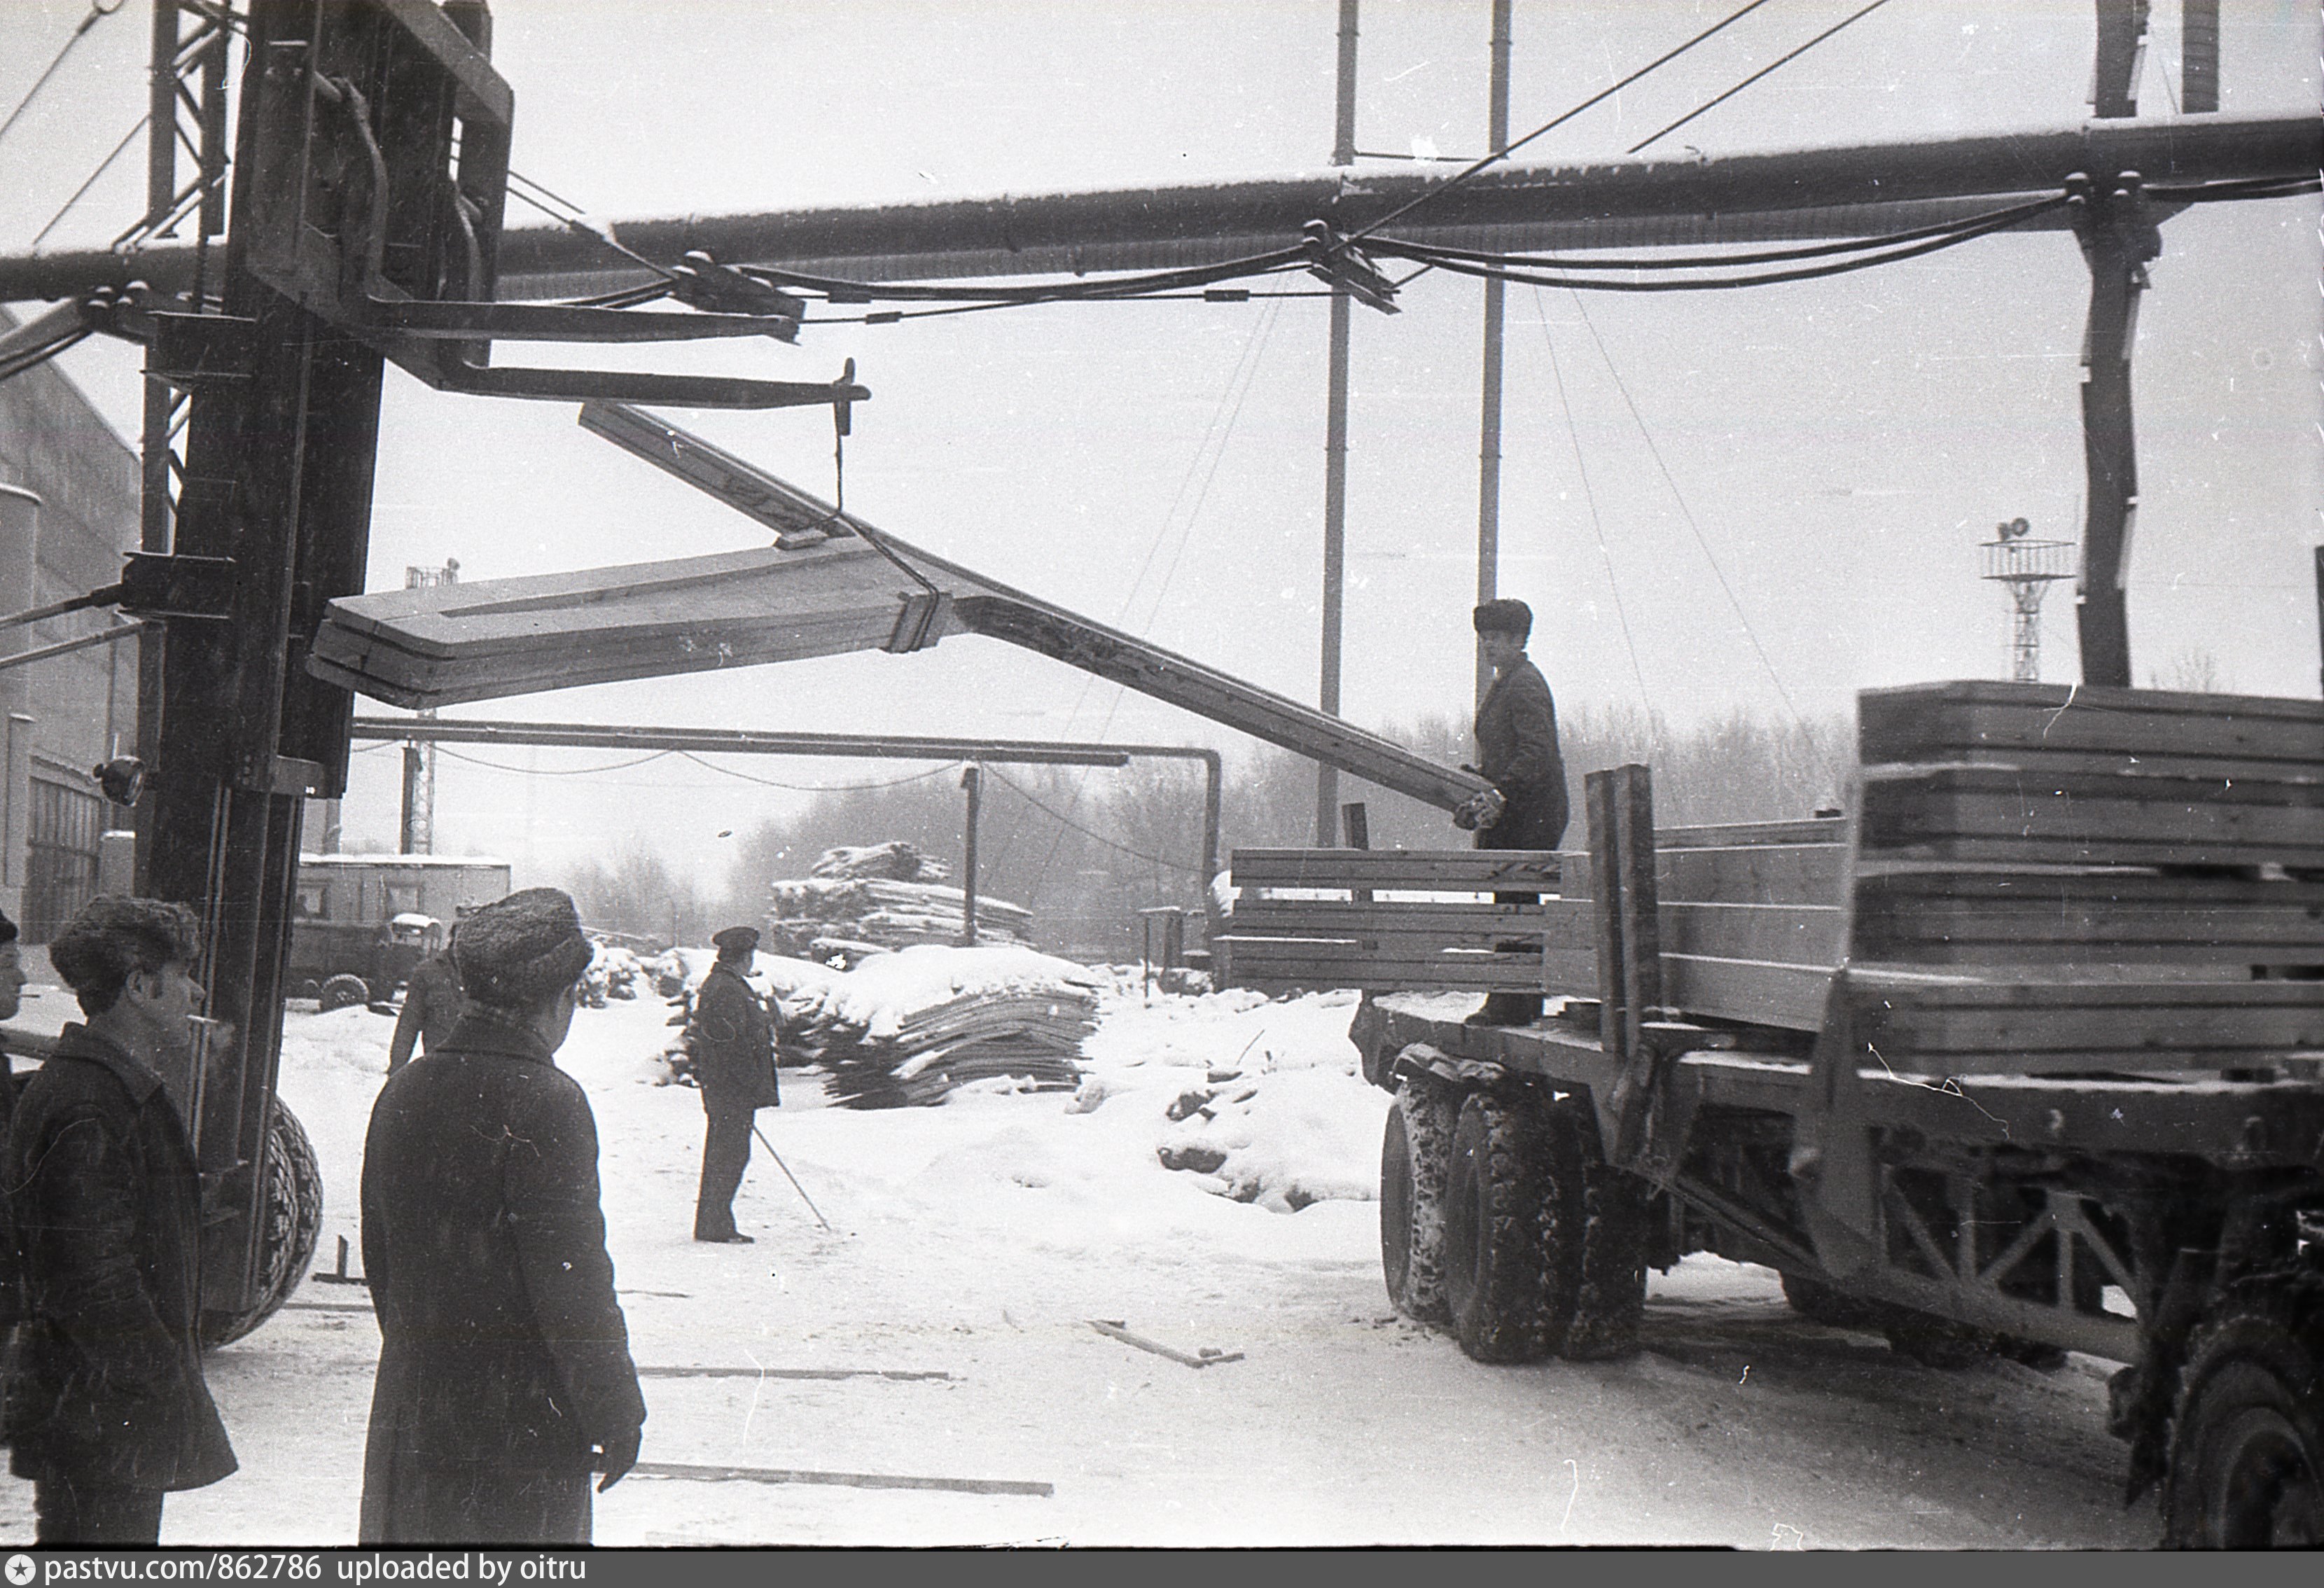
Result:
861,746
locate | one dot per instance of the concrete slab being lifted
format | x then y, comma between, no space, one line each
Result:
837,585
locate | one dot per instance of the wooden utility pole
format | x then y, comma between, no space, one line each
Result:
1335,451
1489,427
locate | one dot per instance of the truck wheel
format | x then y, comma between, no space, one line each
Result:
344,992
1414,1152
1596,1232
1818,1302
2247,1466
290,1218
1494,1193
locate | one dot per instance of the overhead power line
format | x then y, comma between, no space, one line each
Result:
1529,270
1772,66
97,12
1474,167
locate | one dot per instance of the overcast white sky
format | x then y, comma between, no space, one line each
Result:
1836,447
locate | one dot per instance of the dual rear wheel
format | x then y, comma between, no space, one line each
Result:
2246,1463
1500,1216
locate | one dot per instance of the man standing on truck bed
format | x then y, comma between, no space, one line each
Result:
1517,750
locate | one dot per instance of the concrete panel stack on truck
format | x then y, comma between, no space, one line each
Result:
2023,1052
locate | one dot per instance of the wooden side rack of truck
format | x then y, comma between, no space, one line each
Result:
2024,1052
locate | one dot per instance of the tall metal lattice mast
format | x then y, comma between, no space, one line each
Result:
2028,567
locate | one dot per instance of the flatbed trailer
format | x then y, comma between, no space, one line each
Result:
2024,1053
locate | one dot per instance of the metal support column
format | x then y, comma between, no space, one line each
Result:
1336,451
1488,426
2117,240
971,779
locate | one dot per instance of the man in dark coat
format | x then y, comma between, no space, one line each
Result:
107,1409
505,1373
431,1008
734,1064
11,999
1516,749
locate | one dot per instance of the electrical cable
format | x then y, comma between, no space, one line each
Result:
821,788
1229,407
2246,187
1766,278
1702,543
102,167
1010,782
841,290
1589,496
32,358
97,12
1775,65
1437,251
549,771
575,221
1466,172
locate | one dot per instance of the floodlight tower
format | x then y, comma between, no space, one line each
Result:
2028,567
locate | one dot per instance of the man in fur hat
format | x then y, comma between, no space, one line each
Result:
107,1409
505,1373
1516,749
734,1065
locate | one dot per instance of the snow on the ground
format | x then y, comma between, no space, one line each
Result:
972,1245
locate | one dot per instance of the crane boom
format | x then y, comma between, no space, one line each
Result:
829,586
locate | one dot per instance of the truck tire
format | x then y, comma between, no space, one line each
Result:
344,992
1595,1233
1494,1256
290,1219
2246,1460
1414,1152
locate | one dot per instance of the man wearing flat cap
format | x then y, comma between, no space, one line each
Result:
734,1064
1516,749
504,1374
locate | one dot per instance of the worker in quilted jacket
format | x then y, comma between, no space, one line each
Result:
1517,750
732,1042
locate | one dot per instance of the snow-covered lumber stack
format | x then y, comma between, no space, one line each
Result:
888,895
905,1028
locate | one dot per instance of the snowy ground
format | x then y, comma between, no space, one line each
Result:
975,1241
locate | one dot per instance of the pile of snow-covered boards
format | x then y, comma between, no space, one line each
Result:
882,911
905,1028
880,896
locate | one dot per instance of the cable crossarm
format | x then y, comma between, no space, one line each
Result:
1951,237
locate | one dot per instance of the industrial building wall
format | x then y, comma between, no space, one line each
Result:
69,509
